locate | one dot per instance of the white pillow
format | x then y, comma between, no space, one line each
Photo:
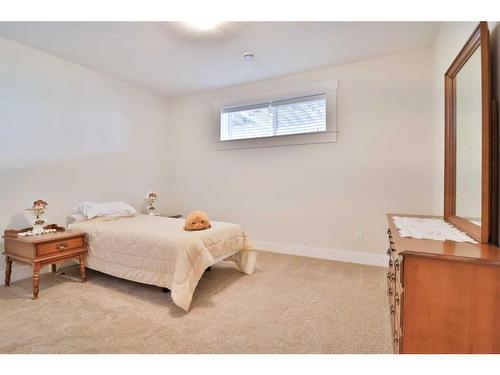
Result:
78,217
90,210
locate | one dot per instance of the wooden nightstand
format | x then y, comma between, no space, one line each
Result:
40,250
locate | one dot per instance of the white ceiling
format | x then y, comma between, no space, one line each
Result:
171,59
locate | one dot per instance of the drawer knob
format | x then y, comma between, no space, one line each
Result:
396,337
393,310
396,264
396,298
61,246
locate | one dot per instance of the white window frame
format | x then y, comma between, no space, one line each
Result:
329,88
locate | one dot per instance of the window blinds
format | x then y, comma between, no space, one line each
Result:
305,114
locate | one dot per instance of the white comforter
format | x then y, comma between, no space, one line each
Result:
158,251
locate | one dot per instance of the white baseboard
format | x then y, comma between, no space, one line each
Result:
322,253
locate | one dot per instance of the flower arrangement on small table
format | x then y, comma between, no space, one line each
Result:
151,198
37,210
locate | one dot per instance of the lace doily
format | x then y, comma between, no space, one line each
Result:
429,228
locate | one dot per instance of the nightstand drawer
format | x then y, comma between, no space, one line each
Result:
59,246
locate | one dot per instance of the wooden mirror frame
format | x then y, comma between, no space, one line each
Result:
480,38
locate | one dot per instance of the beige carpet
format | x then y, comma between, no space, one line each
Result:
290,305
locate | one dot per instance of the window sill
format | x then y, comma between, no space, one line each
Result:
329,136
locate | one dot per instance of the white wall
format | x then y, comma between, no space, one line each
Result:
69,134
321,195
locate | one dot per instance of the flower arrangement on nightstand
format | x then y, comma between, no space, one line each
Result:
151,198
38,210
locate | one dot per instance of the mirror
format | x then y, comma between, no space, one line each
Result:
469,142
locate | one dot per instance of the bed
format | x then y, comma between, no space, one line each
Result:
158,251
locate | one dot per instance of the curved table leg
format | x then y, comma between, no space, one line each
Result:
83,276
36,280
8,270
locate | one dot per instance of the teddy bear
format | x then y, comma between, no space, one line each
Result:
197,220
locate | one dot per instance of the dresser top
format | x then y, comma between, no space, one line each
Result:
446,250
46,237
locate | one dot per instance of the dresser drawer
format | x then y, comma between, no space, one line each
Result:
53,247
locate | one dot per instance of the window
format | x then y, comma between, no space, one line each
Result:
306,114
274,115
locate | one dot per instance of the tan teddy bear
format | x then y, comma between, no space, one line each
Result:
197,220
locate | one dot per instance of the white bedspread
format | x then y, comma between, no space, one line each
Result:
156,250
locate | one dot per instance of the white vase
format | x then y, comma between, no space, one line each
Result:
37,228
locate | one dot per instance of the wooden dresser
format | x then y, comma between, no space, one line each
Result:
444,296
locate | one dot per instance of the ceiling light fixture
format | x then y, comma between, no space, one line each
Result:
248,56
203,25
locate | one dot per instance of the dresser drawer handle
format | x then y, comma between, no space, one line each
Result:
396,264
393,310
389,292
396,298
61,246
